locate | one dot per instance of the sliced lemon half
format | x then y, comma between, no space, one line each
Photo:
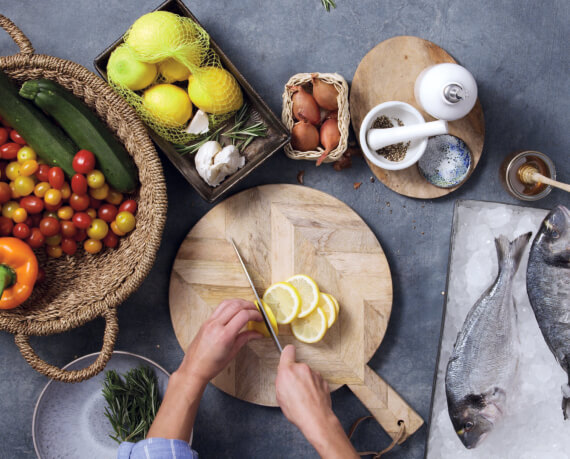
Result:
334,300
312,328
327,305
308,291
284,301
260,326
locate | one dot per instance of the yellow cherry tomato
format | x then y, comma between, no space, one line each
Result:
29,167
13,170
115,229
92,245
65,190
24,185
125,221
26,153
95,179
52,197
114,197
54,251
9,208
65,213
41,188
98,229
20,215
53,240
100,193
15,194
92,213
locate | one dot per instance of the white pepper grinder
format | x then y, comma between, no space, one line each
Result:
446,91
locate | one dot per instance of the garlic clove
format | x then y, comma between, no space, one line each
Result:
199,123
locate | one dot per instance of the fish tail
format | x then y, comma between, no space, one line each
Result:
510,253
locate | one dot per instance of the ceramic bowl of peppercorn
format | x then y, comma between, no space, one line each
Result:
400,155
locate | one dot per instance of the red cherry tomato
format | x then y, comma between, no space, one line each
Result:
6,226
17,137
81,235
68,229
83,162
81,220
79,202
68,245
49,226
53,207
42,174
32,204
9,150
94,203
130,205
79,184
36,239
111,240
3,135
107,212
56,177
5,192
21,231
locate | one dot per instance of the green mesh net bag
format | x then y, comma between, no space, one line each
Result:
164,66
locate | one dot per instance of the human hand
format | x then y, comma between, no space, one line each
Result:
219,339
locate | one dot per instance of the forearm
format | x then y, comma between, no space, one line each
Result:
177,413
330,440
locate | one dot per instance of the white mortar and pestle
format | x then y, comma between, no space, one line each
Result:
414,129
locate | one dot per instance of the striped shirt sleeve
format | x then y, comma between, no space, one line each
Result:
156,448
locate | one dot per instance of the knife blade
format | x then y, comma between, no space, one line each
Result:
261,308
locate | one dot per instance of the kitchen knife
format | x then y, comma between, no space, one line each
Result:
261,308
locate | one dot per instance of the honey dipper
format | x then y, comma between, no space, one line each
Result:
530,175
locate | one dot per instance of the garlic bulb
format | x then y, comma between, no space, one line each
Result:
215,163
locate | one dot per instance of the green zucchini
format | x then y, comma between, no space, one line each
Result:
48,141
86,130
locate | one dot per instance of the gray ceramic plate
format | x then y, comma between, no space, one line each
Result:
69,419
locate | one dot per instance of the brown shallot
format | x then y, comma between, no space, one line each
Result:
325,94
305,107
304,136
330,137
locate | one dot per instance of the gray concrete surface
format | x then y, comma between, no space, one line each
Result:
517,51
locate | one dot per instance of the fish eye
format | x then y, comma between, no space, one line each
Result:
554,234
468,426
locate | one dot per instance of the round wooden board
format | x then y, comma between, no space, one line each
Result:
388,72
283,230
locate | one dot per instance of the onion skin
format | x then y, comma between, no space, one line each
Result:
304,136
325,94
330,137
305,107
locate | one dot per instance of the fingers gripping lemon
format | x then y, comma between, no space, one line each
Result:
260,326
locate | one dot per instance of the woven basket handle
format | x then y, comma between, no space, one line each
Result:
17,35
53,372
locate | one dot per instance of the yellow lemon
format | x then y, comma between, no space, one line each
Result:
126,70
214,90
260,326
335,301
172,70
308,291
310,329
327,305
169,104
284,301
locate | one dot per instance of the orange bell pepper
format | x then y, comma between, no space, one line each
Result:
18,272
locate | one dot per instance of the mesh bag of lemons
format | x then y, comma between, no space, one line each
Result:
299,303
165,67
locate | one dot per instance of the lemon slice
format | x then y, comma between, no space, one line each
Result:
327,305
334,300
260,326
284,301
308,291
312,328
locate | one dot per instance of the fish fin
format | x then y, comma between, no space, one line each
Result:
509,253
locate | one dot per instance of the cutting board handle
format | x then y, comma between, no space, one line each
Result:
386,406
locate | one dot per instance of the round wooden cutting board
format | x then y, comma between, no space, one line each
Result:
388,72
282,230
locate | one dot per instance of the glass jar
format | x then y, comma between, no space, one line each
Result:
508,174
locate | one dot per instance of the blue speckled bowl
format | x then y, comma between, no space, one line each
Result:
446,162
69,419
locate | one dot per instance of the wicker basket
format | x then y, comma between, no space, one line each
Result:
304,79
81,288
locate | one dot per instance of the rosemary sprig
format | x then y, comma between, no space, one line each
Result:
328,3
132,403
244,136
193,148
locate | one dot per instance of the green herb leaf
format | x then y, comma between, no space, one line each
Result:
328,3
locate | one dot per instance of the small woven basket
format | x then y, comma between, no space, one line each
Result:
83,287
304,79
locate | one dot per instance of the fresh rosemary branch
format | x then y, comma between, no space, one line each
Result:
245,135
193,148
328,3
132,403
